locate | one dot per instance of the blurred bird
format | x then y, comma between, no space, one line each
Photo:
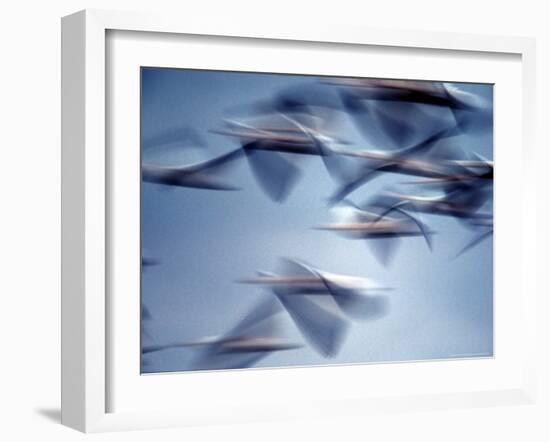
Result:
396,112
402,161
252,339
204,175
413,91
382,231
319,302
306,102
268,148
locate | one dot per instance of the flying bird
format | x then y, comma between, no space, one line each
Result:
378,228
458,199
203,175
394,114
272,150
320,302
416,160
253,338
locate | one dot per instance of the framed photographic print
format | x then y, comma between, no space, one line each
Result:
264,223
207,223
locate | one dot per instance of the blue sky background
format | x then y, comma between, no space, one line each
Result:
206,240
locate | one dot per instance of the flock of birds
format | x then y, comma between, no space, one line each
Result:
413,123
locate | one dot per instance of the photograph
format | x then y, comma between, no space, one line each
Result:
297,220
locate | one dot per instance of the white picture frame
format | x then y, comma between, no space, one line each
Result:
86,207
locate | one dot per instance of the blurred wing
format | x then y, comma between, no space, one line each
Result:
341,168
472,197
304,97
384,249
362,118
178,136
428,143
275,174
292,267
474,121
336,164
362,178
395,120
170,175
160,347
258,320
323,327
416,220
355,304
477,240
217,164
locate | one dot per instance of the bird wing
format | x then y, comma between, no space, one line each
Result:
323,326
355,304
275,174
216,164
474,242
